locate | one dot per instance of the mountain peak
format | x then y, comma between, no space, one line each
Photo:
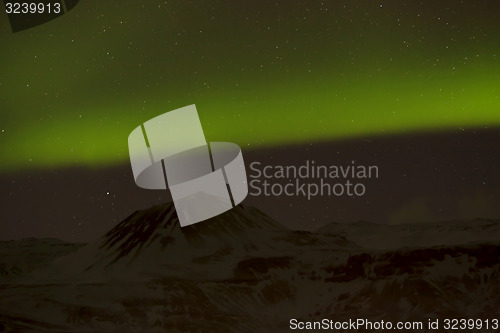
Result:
154,238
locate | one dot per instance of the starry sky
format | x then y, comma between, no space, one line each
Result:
275,77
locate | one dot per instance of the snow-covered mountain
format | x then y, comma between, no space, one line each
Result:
443,233
19,258
152,243
243,272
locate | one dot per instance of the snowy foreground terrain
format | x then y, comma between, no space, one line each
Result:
243,272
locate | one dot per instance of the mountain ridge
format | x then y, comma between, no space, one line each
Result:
242,271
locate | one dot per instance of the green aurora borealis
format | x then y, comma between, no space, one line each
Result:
261,73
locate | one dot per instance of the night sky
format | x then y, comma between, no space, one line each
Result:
411,86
